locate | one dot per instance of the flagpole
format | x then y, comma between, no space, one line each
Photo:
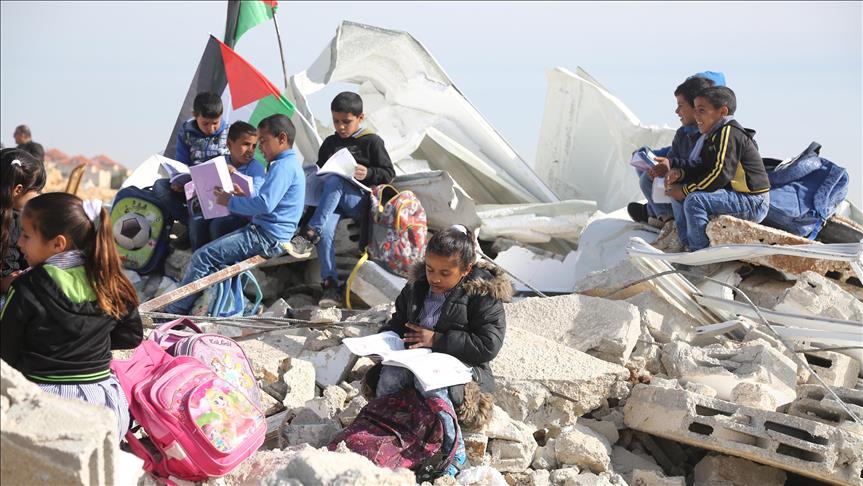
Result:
281,50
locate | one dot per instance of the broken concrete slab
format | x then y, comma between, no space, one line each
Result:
665,322
475,445
47,439
299,383
820,296
531,362
724,366
603,328
617,282
583,447
511,443
814,403
535,223
719,469
641,477
564,476
376,286
834,368
311,467
791,443
331,365
326,316
625,463
444,201
727,230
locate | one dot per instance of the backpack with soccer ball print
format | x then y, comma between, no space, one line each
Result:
141,226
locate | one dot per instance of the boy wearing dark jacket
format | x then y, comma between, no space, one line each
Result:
338,196
729,178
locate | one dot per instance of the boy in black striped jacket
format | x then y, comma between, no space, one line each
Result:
730,177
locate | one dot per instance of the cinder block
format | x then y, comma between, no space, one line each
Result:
815,403
834,368
786,442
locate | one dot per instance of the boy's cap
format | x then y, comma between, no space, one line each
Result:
715,76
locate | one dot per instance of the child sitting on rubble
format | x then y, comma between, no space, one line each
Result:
726,175
65,314
242,140
275,210
339,197
657,214
199,139
455,306
23,176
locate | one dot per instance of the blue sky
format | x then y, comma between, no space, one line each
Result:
108,77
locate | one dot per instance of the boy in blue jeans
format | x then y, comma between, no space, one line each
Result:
242,139
728,177
200,139
340,197
275,210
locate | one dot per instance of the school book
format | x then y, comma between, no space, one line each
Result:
207,176
177,172
432,370
643,159
341,164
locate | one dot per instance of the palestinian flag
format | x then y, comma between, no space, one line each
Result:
245,14
247,95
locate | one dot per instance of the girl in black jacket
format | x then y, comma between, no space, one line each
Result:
65,314
455,306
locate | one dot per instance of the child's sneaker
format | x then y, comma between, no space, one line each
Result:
302,244
638,212
331,296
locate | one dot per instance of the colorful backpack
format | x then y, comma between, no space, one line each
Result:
198,425
398,229
402,430
220,353
141,227
229,300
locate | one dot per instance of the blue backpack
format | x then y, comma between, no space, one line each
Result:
228,299
805,192
141,225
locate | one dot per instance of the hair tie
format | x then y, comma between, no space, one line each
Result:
93,210
17,162
460,228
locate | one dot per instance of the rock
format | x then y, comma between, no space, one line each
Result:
350,412
584,448
647,353
308,427
703,389
718,470
475,445
360,368
590,479
326,316
564,476
375,285
625,463
540,478
641,477
603,328
268,362
270,404
765,288
374,317
615,283
325,468
816,295
544,457
318,340
755,395
665,322
331,365
278,309
607,429
722,367
527,360
299,383
511,443
260,465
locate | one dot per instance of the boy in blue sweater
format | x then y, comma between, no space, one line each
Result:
242,139
275,210
200,139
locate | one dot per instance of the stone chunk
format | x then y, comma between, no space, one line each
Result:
816,295
529,368
641,477
665,322
603,328
791,443
299,381
755,395
719,470
834,368
331,365
626,463
326,316
312,467
375,285
584,448
475,445
615,283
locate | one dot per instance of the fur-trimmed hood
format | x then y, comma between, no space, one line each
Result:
484,279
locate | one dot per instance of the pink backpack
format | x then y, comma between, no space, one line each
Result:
222,354
199,425
401,430
398,229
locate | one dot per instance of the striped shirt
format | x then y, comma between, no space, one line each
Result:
66,259
431,310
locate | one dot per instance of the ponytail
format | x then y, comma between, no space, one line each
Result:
17,167
59,213
456,241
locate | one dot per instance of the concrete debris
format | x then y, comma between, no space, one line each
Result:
311,467
535,223
376,286
331,365
820,296
725,367
350,412
626,463
545,456
834,368
721,470
530,368
791,443
603,242
564,476
326,316
511,443
727,230
444,201
603,328
607,429
617,282
475,444
583,447
814,403
319,340
299,383
665,322
374,317
641,477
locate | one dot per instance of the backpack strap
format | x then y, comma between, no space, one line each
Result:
353,274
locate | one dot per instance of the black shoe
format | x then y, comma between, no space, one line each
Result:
331,296
638,212
302,244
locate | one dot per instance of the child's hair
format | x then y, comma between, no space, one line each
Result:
207,105
347,102
16,167
455,241
690,88
719,96
278,124
59,213
240,128
23,130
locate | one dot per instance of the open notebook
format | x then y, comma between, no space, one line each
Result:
432,370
